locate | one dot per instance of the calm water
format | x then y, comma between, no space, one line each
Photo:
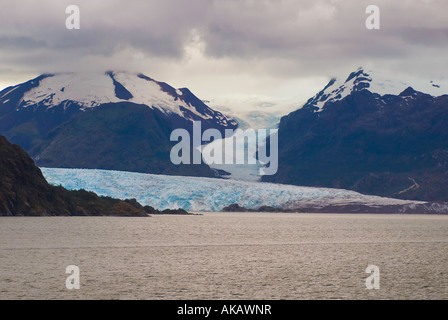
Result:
225,256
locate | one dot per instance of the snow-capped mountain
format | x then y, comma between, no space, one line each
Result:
94,89
111,120
372,134
376,82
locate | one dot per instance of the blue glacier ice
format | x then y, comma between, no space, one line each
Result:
202,194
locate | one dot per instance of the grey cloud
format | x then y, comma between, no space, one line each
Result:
20,43
278,37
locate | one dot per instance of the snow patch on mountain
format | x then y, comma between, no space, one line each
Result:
149,92
90,90
204,194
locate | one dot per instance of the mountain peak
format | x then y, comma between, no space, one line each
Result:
360,73
377,82
408,92
90,90
337,89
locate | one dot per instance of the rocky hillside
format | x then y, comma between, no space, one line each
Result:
352,135
25,192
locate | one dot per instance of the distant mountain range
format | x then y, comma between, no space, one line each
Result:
369,134
114,120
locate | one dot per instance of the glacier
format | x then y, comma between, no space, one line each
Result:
205,194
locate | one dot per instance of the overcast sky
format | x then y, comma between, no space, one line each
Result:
232,49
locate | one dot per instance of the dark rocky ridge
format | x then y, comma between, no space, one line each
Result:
25,192
421,208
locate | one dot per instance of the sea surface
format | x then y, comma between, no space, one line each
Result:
225,256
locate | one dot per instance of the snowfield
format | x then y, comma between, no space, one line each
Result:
90,90
204,194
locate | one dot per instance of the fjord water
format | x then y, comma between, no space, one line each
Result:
225,256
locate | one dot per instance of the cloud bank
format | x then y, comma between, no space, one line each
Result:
275,48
